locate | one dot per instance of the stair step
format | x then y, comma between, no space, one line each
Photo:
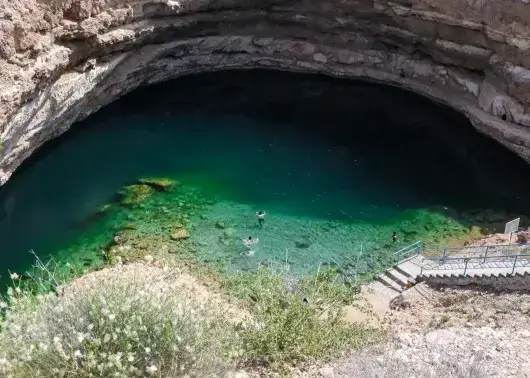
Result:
402,271
388,282
398,277
409,269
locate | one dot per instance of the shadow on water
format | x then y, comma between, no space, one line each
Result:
395,137
306,145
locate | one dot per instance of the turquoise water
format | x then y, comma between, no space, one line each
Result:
336,165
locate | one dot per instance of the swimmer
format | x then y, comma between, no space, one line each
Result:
394,236
249,242
261,217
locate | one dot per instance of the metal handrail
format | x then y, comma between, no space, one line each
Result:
418,247
489,245
487,248
466,261
470,258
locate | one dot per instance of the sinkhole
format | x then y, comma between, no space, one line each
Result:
337,166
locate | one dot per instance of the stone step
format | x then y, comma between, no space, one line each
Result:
409,269
389,282
398,277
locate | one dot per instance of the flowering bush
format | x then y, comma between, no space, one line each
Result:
131,320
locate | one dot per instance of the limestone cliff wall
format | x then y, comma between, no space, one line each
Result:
61,60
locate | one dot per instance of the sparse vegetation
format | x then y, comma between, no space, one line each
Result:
141,324
297,323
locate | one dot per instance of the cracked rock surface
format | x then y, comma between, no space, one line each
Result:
61,60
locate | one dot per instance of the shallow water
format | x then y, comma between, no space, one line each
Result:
337,166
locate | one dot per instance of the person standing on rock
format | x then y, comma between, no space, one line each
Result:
261,217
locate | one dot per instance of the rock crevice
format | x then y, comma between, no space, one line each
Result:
61,62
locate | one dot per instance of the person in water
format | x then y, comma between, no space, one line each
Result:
261,217
394,236
248,243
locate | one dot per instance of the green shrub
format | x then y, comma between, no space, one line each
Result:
289,329
127,321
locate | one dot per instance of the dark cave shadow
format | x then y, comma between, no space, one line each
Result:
438,148
430,146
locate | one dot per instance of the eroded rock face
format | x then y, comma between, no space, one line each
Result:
61,60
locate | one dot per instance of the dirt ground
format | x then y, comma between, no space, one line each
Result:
445,333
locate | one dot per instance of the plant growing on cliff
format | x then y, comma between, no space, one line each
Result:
296,322
133,322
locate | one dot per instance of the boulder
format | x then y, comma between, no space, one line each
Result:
160,184
134,195
180,234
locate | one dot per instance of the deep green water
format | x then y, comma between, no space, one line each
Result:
336,165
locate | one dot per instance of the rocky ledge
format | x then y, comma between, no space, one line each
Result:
62,60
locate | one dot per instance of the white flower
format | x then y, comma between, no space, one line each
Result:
78,354
112,316
90,327
3,305
56,339
151,369
147,350
17,290
148,258
80,337
106,338
14,276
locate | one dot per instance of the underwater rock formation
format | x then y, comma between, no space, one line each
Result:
61,61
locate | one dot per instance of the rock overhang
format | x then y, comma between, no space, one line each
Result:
60,63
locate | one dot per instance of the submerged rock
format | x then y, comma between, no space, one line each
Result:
229,233
134,195
220,224
180,234
103,209
303,242
160,184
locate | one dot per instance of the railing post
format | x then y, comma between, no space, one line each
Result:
486,254
445,249
514,262
465,267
